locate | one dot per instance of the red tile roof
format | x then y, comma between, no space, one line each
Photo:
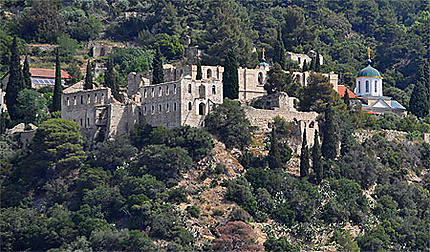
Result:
47,73
341,89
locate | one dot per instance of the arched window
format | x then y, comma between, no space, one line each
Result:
202,91
152,92
88,99
190,106
209,74
359,87
213,89
202,108
88,122
174,106
144,110
167,90
160,91
167,107
367,86
152,109
376,86
189,88
260,78
159,108
174,89
300,60
217,73
82,99
80,121
67,101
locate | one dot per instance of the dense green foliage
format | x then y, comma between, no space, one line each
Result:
157,68
88,84
16,81
419,103
281,81
230,78
228,122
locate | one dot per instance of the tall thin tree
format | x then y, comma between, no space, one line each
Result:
58,88
419,104
317,159
279,53
111,80
26,73
304,157
16,81
199,74
346,99
330,140
157,67
88,77
274,157
230,76
317,63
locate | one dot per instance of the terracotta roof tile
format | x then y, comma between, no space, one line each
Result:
47,73
341,89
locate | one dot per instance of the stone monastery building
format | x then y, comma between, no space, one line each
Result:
180,100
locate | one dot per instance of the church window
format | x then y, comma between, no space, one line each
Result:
367,86
103,98
159,108
300,60
89,99
152,92
213,89
167,107
190,106
68,102
80,122
202,108
167,90
88,122
152,109
189,88
174,106
174,89
160,91
145,93
359,87
74,100
82,99
217,73
144,110
260,78
376,86
209,74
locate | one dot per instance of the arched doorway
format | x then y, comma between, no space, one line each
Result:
202,108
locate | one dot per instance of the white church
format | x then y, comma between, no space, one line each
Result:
369,90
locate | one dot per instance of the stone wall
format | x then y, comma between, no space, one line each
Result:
251,83
362,135
303,120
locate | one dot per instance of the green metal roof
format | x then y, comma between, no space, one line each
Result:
369,71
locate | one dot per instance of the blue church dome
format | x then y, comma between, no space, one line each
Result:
369,71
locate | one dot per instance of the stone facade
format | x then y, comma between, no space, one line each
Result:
301,58
170,104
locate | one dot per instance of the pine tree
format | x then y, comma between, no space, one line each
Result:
419,104
157,67
329,144
16,81
111,81
199,75
26,73
346,99
279,54
304,157
230,76
317,63
274,158
88,77
316,159
58,88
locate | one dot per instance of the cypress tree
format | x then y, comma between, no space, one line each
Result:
279,51
329,144
346,99
317,63
316,159
304,157
16,81
274,158
26,73
230,77
419,104
88,77
4,121
312,65
58,88
305,66
111,81
199,75
157,67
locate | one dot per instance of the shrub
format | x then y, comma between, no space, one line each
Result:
193,211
